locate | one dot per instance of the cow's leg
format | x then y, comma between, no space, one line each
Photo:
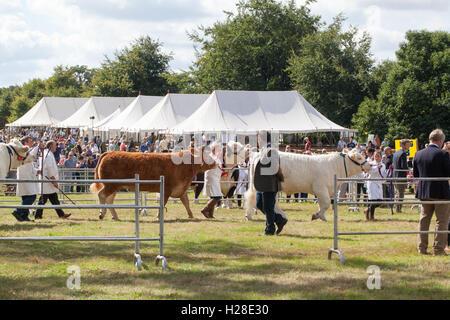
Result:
323,198
166,198
110,200
278,209
197,190
250,203
102,196
185,201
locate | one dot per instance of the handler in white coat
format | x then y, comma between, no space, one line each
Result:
375,188
26,190
49,191
212,181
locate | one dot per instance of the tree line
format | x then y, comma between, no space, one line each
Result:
271,45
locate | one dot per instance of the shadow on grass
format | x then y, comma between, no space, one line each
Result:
25,226
200,284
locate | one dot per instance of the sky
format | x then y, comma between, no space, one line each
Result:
37,35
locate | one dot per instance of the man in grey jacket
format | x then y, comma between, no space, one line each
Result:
267,181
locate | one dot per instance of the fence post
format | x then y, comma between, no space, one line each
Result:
136,211
161,225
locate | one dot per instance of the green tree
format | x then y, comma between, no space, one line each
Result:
332,71
70,81
371,118
250,49
6,99
137,68
183,82
19,107
415,98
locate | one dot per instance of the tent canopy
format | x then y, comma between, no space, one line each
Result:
171,110
49,111
97,107
132,114
247,112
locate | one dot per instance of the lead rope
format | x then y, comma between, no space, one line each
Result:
345,165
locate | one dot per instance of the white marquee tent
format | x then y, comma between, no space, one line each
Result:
171,110
247,112
131,114
97,107
49,111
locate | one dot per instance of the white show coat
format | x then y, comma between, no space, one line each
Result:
212,179
50,170
242,179
27,171
375,188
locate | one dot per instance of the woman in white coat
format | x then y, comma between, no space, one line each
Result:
28,190
375,188
212,181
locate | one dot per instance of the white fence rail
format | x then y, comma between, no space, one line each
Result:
337,202
136,206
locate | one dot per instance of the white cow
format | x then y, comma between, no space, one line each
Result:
310,174
13,155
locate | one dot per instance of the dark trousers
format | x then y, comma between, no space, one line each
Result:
265,201
372,207
239,201
360,189
26,201
53,197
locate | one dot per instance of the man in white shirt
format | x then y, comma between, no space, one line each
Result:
49,191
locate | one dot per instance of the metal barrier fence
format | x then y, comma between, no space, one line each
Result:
336,203
136,206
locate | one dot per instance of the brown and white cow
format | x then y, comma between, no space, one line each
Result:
150,166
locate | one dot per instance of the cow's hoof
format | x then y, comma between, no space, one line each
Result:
116,219
191,217
248,218
314,217
101,216
323,218
205,213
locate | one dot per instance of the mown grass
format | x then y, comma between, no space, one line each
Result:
225,258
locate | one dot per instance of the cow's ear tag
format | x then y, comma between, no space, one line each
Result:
19,158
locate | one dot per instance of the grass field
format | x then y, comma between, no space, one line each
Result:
225,258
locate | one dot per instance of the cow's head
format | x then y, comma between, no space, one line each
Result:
358,159
20,153
199,157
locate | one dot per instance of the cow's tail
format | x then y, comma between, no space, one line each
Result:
250,194
96,187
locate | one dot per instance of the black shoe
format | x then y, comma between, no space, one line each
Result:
17,216
281,225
